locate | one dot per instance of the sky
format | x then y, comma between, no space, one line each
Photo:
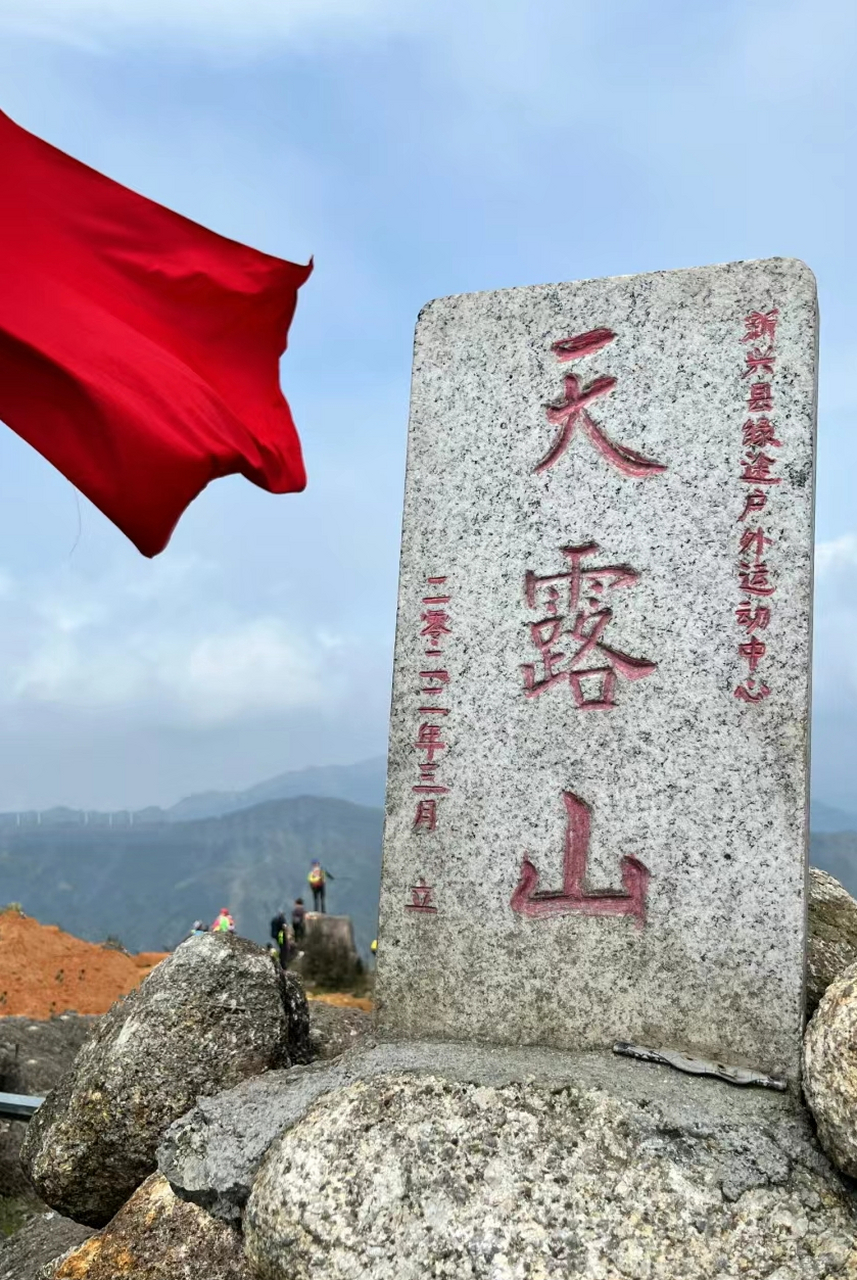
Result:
415,148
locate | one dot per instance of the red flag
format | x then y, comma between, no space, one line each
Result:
138,350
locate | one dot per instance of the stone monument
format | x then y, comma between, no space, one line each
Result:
597,797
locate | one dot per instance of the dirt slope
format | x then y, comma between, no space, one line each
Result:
44,971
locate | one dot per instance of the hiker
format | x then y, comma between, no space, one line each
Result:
299,920
198,927
224,922
280,934
318,878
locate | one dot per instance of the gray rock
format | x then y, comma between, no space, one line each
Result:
403,1177
830,1070
155,1237
335,1028
832,934
44,1238
209,1016
297,1017
212,1155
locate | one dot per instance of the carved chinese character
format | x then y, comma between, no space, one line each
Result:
752,617
574,897
586,658
760,398
429,740
760,324
434,681
573,411
753,651
421,898
755,579
759,434
756,501
757,469
437,624
759,361
748,692
426,815
755,541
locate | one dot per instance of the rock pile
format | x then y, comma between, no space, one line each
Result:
395,1162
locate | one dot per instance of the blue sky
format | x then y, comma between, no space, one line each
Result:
416,148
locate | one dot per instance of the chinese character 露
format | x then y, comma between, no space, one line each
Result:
583,655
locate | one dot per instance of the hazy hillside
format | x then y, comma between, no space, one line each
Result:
146,884
836,852
361,783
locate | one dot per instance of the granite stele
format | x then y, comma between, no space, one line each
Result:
597,796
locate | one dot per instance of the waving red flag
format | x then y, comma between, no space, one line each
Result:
138,351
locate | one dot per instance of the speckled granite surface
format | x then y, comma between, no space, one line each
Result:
576,873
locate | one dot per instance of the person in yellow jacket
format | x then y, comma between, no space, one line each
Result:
318,879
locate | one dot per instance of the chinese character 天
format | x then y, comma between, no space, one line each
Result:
573,410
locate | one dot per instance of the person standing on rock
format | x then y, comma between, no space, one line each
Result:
318,878
224,922
299,920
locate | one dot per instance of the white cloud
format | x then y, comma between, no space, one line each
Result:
245,23
836,555
162,647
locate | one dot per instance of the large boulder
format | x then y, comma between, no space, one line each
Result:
832,934
44,1238
403,1177
830,1070
206,1018
155,1237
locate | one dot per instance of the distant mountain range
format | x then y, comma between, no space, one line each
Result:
146,884
144,877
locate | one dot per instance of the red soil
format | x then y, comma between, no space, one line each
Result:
45,971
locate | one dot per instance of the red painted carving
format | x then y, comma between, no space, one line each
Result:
587,658
759,434
429,740
752,617
435,681
421,789
755,579
436,621
757,469
756,501
435,581
759,361
755,540
573,897
753,651
760,324
748,692
436,599
760,397
585,344
573,411
421,898
426,815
